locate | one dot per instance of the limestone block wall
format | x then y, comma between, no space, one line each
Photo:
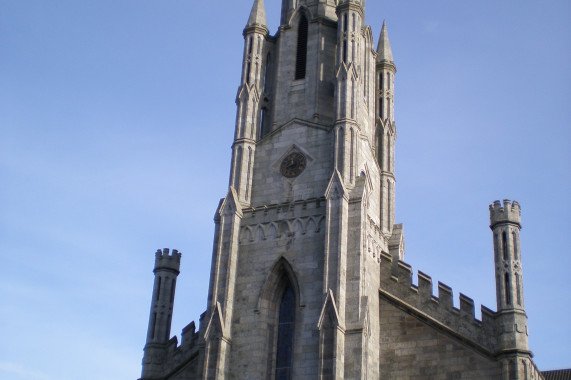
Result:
311,98
314,141
397,287
410,349
275,241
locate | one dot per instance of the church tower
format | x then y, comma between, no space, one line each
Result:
308,279
310,206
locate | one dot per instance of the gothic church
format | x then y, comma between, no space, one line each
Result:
308,279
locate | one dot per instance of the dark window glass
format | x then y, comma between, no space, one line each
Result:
505,245
248,70
301,61
285,336
158,289
507,289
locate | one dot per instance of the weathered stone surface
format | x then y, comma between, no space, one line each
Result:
306,250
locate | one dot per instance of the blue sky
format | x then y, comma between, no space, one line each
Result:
116,120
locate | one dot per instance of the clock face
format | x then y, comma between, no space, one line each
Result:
293,165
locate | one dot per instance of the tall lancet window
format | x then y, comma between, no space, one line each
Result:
285,335
301,60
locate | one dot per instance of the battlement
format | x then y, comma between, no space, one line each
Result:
510,212
164,260
437,311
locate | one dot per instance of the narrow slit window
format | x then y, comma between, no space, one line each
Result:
518,291
514,241
158,288
248,70
505,245
496,246
351,163
507,289
249,170
172,290
301,61
238,171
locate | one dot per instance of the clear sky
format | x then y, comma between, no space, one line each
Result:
116,120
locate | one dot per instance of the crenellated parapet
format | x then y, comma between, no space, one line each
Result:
437,311
185,357
509,212
165,260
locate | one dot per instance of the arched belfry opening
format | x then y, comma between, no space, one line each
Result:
301,56
279,307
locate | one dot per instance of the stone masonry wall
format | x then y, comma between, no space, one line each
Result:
410,349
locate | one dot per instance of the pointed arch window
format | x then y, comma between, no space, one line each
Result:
286,324
301,59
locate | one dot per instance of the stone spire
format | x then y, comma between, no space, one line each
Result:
384,52
258,15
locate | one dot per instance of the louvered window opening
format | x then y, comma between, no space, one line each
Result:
301,59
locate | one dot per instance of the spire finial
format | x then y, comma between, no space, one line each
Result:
258,14
384,52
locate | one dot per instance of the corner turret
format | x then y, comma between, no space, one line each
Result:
385,134
251,106
158,334
513,349
386,71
